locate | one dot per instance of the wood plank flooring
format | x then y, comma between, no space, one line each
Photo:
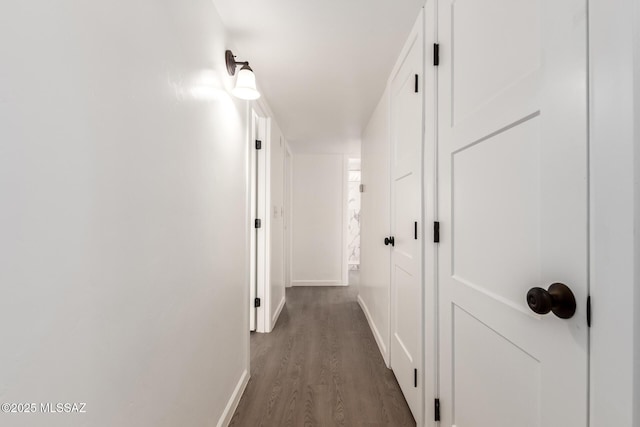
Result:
320,367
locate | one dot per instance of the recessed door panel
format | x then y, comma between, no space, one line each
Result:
500,56
496,215
481,357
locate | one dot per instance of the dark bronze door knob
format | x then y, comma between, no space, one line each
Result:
559,299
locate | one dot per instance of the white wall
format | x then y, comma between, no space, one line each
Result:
276,218
319,219
123,221
375,273
615,211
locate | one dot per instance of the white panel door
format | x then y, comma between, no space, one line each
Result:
513,210
406,227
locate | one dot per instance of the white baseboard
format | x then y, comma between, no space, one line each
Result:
276,315
230,409
374,329
318,283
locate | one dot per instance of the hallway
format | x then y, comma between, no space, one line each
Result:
329,213
320,367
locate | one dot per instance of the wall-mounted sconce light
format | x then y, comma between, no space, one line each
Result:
246,81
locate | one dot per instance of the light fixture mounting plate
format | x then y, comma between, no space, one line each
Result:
230,59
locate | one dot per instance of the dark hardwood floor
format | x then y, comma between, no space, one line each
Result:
320,367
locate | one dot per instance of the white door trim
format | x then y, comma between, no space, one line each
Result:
260,241
288,167
614,171
251,208
345,220
264,285
430,215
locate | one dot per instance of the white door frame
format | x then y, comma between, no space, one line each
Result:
345,220
614,168
259,241
430,215
288,168
253,241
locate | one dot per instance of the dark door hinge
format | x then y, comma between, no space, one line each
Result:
436,410
436,232
589,311
436,54
416,84
415,378
256,302
258,144
257,223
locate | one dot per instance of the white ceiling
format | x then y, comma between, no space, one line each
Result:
322,65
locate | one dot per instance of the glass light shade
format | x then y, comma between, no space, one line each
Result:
246,85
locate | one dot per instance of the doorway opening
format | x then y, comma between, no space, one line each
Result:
353,220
